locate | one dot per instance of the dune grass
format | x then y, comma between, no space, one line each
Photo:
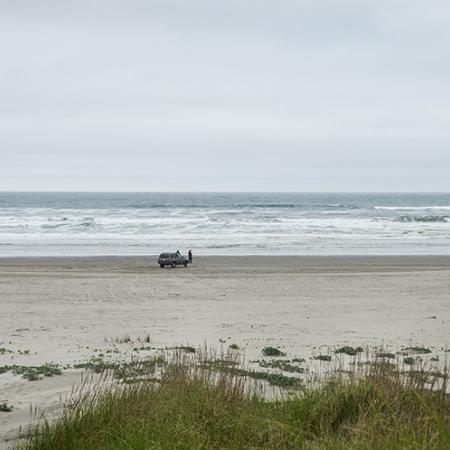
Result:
208,406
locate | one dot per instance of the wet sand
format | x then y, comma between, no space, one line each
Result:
61,309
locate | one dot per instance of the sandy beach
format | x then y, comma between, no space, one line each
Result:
61,310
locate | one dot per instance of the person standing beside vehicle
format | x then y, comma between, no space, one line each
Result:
190,256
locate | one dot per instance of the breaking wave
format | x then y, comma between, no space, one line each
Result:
409,208
87,222
265,205
64,222
425,219
224,223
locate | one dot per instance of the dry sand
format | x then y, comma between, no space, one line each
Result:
61,309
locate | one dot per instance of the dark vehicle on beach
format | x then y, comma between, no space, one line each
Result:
172,259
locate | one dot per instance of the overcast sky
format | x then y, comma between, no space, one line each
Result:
200,95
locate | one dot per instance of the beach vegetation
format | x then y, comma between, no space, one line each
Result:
145,369
219,363
4,369
285,366
230,364
97,364
199,406
298,360
185,348
272,351
385,355
272,379
33,373
348,350
112,350
5,407
124,370
4,350
323,358
418,350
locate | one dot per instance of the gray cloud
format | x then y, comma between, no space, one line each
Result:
252,95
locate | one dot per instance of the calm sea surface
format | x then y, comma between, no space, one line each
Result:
223,223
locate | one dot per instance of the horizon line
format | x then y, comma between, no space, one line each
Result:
211,192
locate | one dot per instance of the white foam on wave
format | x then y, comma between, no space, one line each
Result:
412,208
215,229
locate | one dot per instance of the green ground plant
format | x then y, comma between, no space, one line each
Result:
272,351
286,366
4,350
418,350
4,407
298,360
33,373
385,355
127,371
273,379
323,358
348,350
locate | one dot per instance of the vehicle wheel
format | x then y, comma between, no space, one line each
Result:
185,264
173,266
161,265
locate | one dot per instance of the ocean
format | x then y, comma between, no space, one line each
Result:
77,224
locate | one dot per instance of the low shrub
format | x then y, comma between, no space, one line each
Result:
272,351
348,350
